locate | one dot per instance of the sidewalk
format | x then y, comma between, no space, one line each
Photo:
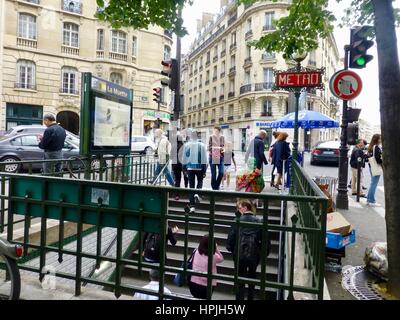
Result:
370,227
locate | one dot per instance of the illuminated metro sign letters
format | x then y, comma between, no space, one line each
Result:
298,79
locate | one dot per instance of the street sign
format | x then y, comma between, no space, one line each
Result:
346,85
308,79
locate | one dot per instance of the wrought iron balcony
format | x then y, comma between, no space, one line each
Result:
233,46
232,19
215,78
24,85
168,33
222,75
247,115
221,97
266,114
248,34
246,88
263,86
247,62
208,63
213,100
231,94
201,68
206,104
212,121
221,119
269,27
199,106
267,56
223,53
207,82
230,118
215,59
232,71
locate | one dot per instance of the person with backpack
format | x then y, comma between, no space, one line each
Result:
198,284
250,240
358,152
152,244
195,164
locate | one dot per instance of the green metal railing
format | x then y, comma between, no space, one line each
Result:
137,169
144,208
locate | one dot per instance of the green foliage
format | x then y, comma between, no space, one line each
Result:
140,14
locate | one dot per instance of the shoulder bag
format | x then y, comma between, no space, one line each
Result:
376,168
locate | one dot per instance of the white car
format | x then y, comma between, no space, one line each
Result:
142,144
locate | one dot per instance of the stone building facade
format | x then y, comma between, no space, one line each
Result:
228,83
45,45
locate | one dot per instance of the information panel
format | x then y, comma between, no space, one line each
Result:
106,117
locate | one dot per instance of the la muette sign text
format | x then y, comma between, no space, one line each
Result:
302,79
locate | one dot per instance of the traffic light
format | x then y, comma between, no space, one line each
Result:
352,134
171,71
359,45
157,95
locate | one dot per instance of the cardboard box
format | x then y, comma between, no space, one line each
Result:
336,223
337,241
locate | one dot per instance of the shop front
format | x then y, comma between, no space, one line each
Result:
150,121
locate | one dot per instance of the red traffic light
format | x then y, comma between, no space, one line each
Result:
167,64
157,90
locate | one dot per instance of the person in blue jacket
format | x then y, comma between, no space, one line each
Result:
194,162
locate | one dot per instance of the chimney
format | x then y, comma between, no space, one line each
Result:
207,17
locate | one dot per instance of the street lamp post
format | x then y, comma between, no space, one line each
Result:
298,57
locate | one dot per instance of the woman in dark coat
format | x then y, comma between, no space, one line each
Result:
281,152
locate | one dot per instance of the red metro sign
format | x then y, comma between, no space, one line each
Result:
309,79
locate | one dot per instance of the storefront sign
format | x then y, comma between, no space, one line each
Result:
156,114
263,124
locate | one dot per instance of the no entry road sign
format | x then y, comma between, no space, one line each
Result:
346,85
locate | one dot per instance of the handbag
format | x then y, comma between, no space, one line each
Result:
179,279
376,168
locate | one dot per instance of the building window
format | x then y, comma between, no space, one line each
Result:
268,75
118,42
223,44
69,79
100,39
248,52
267,107
232,85
74,6
167,53
223,67
215,72
221,112
230,110
233,38
134,46
248,25
27,26
71,35
268,55
247,77
269,21
222,89
116,78
26,74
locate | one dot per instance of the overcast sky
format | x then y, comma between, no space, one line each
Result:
368,99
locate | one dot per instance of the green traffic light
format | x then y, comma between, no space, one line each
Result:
361,61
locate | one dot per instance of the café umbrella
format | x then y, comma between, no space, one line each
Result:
307,120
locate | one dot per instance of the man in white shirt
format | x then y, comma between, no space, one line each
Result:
153,286
163,152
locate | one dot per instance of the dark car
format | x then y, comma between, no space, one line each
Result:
326,153
24,147
36,129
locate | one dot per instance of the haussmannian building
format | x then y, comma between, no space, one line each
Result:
228,83
45,45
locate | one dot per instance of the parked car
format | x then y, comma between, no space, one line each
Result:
326,152
142,144
24,147
37,129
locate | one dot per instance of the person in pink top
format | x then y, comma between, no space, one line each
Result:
198,284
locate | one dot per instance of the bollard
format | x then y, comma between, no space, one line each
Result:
359,161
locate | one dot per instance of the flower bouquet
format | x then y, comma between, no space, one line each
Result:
250,180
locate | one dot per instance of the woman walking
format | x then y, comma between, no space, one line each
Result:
198,284
375,167
216,148
271,152
280,153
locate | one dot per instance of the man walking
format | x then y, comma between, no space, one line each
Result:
216,149
256,150
52,143
358,152
194,161
163,152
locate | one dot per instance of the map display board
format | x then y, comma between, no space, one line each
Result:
106,117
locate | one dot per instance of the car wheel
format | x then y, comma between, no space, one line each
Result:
11,168
313,163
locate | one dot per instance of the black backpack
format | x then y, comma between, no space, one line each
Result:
152,246
248,249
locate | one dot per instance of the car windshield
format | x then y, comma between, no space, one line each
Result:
329,145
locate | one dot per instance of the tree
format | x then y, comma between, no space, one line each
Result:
142,14
299,32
